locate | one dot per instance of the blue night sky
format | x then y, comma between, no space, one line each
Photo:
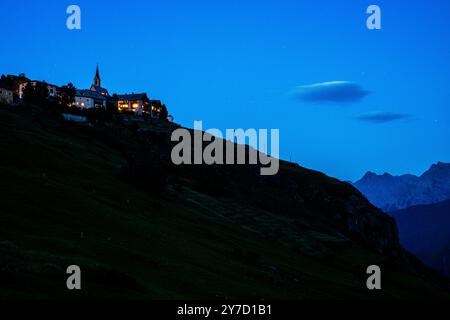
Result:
237,64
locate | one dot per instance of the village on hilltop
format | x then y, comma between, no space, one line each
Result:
18,89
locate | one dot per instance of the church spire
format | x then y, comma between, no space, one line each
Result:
97,81
97,85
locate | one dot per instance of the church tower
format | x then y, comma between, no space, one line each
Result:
97,81
97,85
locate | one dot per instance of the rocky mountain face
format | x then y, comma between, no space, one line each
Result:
392,193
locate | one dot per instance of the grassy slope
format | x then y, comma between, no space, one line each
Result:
57,185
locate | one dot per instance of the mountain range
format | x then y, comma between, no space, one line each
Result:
391,193
425,231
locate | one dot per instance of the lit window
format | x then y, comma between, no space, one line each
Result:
123,105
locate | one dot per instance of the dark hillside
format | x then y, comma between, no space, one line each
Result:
107,198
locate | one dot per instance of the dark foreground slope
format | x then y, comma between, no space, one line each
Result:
107,199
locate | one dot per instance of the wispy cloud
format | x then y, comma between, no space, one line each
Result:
382,117
333,91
